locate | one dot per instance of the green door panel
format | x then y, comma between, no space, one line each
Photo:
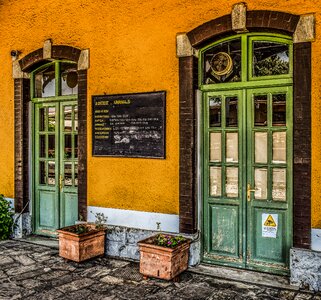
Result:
47,205
70,202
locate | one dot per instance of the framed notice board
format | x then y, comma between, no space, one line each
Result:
129,125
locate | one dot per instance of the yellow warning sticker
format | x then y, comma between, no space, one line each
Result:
270,221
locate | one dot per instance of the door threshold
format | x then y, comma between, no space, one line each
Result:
41,240
242,275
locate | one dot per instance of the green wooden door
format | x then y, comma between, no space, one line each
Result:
55,165
247,178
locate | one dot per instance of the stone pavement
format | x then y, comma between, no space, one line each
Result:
29,271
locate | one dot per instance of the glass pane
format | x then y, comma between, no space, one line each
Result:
279,147
76,146
231,111
215,147
45,85
42,146
42,119
76,118
68,146
42,172
51,146
261,145
232,147
51,173
279,110
69,79
215,181
51,118
76,174
231,186
67,118
279,184
222,63
270,58
215,111
260,184
260,108
68,173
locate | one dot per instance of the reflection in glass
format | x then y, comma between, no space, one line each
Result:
215,111
231,187
68,173
51,118
51,173
76,146
67,118
231,111
232,147
270,58
222,63
279,110
279,184
215,181
76,174
42,146
279,147
51,146
42,119
76,117
215,147
69,79
261,145
45,82
260,108
68,146
42,172
260,184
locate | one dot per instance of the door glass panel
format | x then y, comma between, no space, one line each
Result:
42,119
270,58
279,147
51,119
231,111
76,146
69,79
215,111
42,172
222,63
260,184
261,145
68,146
45,85
76,174
76,117
279,184
68,173
67,118
260,110
42,146
51,173
279,110
215,147
232,147
231,187
51,146
215,181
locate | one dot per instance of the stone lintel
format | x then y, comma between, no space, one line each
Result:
17,72
47,49
83,62
183,46
305,30
239,17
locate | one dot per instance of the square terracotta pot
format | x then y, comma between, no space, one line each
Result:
80,247
162,262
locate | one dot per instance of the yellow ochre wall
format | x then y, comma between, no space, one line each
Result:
132,49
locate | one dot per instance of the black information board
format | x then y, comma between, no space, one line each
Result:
129,125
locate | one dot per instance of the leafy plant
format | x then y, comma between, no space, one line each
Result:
78,229
101,220
168,240
6,220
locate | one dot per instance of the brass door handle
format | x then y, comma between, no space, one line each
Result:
60,182
248,192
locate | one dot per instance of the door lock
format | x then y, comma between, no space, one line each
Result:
248,192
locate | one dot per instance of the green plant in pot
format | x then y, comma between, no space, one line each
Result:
6,220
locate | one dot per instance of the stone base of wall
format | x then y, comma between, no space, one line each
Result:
22,225
305,268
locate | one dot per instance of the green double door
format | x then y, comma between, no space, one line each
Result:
55,165
247,175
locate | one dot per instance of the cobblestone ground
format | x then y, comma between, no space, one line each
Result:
30,271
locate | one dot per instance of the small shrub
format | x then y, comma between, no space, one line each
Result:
6,220
169,241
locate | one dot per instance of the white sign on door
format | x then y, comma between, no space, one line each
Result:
269,225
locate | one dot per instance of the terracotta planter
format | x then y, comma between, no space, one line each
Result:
162,262
83,246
